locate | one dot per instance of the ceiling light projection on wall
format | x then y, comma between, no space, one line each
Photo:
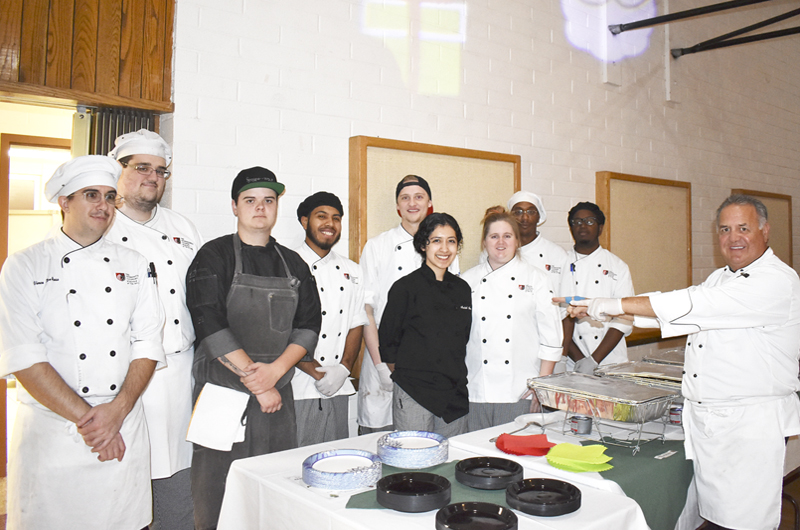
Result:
428,35
587,21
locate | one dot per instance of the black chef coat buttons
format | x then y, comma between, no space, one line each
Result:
512,278
108,289
595,337
483,318
511,296
485,361
336,357
172,291
694,375
112,353
109,321
113,387
399,268
684,372
72,291
66,260
506,361
314,267
324,313
508,340
82,356
106,260
322,289
597,281
699,345
85,390
484,280
484,341
324,336
483,298
164,237
508,316
337,267
322,358
124,238
341,288
169,262
341,311
77,323
399,247
177,321
541,255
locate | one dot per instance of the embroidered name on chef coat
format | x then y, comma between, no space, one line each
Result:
552,268
50,279
611,274
182,241
349,277
130,279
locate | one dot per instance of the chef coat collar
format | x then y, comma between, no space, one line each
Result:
429,275
744,270
319,260
513,261
70,245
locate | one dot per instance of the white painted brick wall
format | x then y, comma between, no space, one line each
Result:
284,84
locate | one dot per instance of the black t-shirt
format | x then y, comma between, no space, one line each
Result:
424,331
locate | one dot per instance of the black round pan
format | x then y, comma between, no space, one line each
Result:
543,496
475,516
488,472
413,492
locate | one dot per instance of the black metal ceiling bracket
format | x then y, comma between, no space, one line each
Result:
616,29
724,41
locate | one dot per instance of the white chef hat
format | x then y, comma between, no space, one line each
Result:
526,196
81,172
141,142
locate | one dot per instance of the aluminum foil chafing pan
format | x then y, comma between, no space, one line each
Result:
667,376
604,397
674,356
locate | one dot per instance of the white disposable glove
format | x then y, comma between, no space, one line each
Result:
586,365
387,385
332,381
602,309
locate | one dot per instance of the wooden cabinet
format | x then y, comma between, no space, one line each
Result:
91,52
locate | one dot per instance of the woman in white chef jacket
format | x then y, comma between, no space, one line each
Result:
516,329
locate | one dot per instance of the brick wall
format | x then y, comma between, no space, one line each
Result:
284,84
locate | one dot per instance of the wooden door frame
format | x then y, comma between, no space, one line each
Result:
6,141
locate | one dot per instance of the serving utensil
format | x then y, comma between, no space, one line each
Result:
493,440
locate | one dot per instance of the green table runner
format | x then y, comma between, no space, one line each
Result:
658,486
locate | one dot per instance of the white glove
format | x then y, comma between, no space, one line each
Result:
586,365
387,385
332,381
604,309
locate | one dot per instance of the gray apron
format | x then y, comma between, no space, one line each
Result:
260,313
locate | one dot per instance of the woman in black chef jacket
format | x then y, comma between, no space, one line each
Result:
424,332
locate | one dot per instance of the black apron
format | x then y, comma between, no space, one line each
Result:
260,313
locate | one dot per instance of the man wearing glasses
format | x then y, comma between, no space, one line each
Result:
80,330
169,242
593,272
528,210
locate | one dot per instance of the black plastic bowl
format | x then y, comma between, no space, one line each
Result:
413,492
545,497
488,472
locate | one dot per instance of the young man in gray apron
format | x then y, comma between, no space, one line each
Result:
256,313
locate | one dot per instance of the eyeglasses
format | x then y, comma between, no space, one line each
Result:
519,212
146,170
95,197
588,221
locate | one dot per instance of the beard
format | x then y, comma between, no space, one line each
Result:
321,244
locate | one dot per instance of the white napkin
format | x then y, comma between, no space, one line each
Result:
217,418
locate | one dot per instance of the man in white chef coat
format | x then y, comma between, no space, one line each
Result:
80,330
528,209
385,259
591,271
740,374
169,242
321,387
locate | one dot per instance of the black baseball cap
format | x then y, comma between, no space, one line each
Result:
255,177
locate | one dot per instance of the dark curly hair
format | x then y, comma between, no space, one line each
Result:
429,224
592,207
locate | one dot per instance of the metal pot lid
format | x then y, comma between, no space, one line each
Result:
488,472
543,496
413,492
476,516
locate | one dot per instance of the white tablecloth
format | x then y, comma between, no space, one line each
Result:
267,492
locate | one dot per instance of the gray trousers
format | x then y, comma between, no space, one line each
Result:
172,502
321,420
483,415
411,416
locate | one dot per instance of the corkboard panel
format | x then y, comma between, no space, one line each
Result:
649,226
463,183
779,210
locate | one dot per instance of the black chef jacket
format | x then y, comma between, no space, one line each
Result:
424,332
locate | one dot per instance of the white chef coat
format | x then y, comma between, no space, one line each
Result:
89,312
740,379
514,326
341,294
169,241
385,259
601,274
